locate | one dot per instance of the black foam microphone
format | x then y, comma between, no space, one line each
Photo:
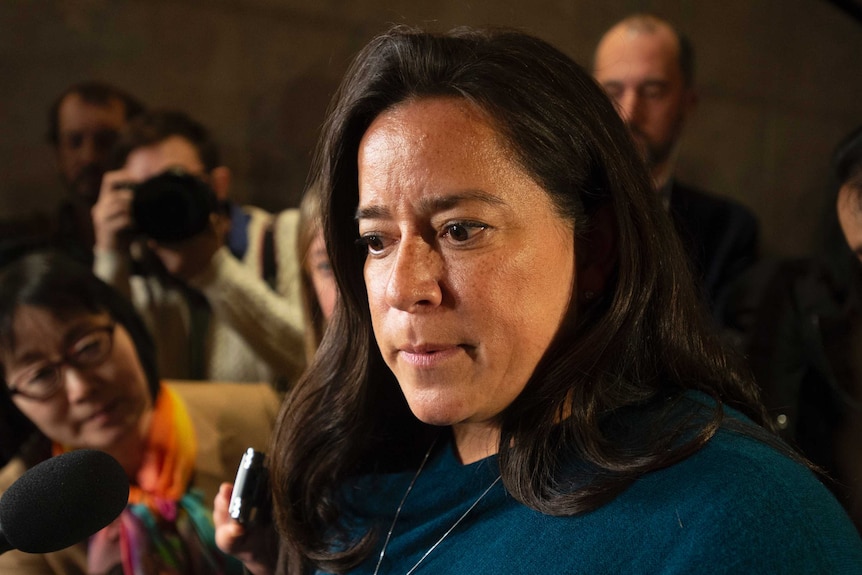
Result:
62,501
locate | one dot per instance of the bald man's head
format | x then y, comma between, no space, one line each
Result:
647,68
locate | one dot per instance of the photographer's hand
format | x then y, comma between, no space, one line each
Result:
257,547
188,258
112,212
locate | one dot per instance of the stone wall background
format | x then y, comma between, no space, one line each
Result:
780,83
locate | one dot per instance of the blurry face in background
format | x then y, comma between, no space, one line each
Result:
850,217
86,133
640,71
470,269
105,406
173,152
319,269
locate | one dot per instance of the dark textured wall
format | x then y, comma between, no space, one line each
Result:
780,83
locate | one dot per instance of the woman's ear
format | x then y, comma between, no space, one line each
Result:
597,254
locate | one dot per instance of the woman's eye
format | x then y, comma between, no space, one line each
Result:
88,350
91,348
40,376
374,244
462,231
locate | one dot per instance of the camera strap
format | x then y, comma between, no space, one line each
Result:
200,314
270,268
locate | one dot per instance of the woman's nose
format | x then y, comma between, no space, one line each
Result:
415,277
79,384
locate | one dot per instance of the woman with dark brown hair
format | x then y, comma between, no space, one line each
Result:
518,377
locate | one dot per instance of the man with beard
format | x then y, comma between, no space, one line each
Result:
83,124
647,68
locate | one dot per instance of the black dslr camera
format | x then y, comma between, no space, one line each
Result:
172,206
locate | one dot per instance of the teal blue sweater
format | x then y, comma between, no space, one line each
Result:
736,506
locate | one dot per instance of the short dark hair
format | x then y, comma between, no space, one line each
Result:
52,281
95,93
155,126
647,338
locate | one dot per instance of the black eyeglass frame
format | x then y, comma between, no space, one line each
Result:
68,359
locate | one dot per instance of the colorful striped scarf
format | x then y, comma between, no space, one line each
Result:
166,529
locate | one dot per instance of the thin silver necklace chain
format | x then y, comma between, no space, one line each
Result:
448,531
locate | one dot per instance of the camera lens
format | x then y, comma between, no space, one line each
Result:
172,206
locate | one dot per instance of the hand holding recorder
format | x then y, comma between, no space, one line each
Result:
241,513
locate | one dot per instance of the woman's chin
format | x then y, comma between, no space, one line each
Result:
440,409
107,438
435,414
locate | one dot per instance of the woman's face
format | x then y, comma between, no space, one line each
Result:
320,271
101,406
470,270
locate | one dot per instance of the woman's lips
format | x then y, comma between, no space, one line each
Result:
429,355
104,413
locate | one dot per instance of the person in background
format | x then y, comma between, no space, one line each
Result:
83,125
647,67
802,334
79,371
518,376
847,164
847,394
318,284
224,302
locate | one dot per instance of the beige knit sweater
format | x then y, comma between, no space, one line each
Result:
253,333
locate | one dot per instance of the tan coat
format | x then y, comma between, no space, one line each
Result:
228,418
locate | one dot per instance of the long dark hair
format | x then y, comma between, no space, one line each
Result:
644,342
52,281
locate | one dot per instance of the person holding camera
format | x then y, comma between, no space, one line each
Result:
217,283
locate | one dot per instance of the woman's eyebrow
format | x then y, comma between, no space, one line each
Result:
433,203
371,213
69,339
28,357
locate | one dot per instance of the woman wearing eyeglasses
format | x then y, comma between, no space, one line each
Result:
78,370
